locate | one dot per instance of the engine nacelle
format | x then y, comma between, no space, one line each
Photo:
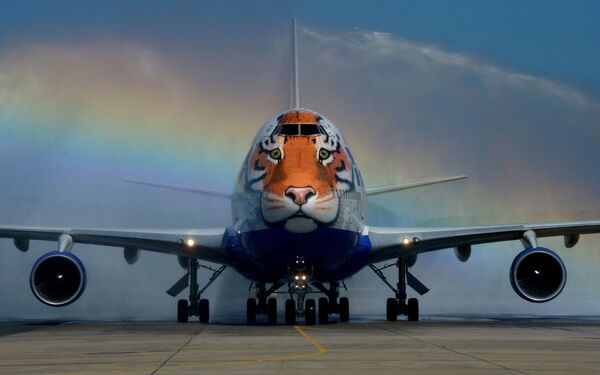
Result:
57,278
538,275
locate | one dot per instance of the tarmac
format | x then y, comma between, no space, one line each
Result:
434,345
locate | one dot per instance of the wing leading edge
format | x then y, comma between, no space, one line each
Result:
391,188
188,189
391,243
200,244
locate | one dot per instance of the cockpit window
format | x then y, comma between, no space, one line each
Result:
309,129
287,129
299,129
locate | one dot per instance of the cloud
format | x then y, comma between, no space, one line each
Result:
420,111
379,47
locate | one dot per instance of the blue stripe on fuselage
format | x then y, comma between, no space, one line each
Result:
264,255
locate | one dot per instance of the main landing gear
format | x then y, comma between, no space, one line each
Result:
263,305
195,306
400,305
311,311
332,303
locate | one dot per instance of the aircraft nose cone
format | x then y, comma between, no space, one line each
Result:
299,194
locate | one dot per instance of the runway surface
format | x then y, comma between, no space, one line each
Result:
447,345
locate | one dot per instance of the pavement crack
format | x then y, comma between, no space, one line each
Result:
457,352
176,352
538,325
474,357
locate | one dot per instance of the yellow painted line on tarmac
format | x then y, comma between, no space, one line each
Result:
337,329
320,350
311,339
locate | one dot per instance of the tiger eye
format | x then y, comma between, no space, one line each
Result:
275,154
324,154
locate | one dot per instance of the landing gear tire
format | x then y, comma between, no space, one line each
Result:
290,312
203,311
412,308
391,312
272,311
344,309
182,311
323,310
251,310
310,312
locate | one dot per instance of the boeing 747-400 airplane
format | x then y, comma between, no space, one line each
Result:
298,209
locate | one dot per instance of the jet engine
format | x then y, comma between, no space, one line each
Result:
538,274
57,278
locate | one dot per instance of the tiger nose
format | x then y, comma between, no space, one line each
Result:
300,194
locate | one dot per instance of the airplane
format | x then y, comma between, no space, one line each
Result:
298,225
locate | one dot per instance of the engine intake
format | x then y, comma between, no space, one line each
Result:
538,275
57,278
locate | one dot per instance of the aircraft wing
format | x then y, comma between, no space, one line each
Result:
188,189
200,244
391,243
392,188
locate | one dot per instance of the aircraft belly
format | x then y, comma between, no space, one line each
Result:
274,249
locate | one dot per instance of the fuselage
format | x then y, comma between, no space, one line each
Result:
299,195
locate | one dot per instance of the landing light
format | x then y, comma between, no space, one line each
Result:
406,241
190,242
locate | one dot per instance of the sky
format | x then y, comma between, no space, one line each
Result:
174,91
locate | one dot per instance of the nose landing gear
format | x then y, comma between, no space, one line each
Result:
299,274
298,306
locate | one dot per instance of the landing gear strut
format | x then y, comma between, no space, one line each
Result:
400,305
195,306
300,306
299,275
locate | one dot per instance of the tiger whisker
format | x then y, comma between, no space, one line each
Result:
273,197
274,208
325,200
274,200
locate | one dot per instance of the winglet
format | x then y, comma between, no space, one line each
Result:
295,88
391,188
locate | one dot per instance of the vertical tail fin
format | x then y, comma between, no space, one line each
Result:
295,88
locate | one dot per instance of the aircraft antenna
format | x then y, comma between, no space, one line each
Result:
295,94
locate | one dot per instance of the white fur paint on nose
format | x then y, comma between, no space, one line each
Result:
278,208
